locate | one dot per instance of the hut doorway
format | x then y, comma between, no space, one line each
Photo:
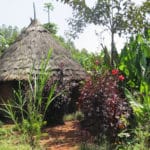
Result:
7,90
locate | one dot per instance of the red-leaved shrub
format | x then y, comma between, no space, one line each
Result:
106,111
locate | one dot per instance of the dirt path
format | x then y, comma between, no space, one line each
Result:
65,137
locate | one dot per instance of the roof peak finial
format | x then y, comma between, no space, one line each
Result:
34,11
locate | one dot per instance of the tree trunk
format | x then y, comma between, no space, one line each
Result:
112,48
48,16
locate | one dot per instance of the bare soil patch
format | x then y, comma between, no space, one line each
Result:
65,137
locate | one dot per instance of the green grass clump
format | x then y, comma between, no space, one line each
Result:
87,146
74,116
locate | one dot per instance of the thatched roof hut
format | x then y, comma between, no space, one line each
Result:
29,49
26,54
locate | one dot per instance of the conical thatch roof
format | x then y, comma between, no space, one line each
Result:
29,49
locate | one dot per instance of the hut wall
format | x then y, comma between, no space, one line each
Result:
6,90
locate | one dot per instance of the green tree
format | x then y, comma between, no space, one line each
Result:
51,27
7,36
145,8
48,7
116,16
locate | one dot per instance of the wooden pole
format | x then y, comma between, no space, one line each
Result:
34,11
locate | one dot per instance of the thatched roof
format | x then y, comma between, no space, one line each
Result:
29,49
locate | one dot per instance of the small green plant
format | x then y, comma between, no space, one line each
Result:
1,123
3,132
28,109
69,117
78,115
87,146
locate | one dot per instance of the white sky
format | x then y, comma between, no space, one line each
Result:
18,13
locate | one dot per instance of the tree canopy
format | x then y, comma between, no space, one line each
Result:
116,16
7,36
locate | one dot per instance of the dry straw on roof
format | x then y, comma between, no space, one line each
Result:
29,49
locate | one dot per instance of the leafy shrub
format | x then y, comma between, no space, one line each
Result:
51,27
106,111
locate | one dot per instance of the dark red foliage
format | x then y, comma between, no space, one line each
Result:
105,109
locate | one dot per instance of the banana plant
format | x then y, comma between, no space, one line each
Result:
134,61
